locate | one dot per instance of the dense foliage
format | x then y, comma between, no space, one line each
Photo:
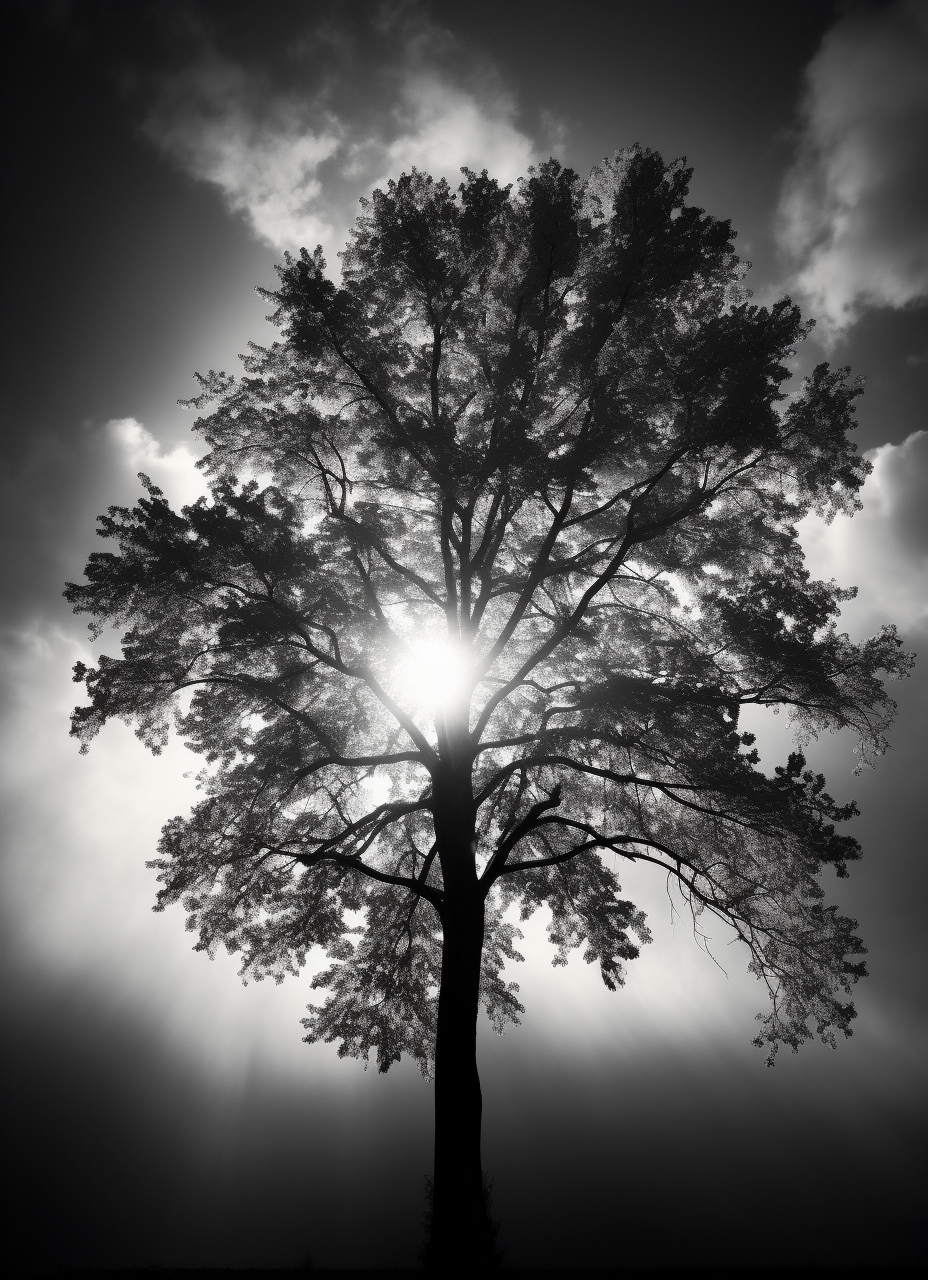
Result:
541,432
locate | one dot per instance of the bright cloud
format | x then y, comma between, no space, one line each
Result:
853,213
294,161
263,151
448,127
175,471
883,549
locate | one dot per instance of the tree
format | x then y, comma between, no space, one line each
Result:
501,539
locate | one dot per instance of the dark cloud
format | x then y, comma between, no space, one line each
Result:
294,160
854,210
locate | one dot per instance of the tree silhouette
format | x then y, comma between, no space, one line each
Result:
501,538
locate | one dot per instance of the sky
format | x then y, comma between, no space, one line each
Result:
160,158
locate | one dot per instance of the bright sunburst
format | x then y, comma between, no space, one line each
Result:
432,673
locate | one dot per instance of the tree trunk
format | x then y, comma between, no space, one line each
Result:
461,1235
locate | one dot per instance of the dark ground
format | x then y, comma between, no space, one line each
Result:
692,1273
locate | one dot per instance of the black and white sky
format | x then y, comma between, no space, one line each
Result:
160,156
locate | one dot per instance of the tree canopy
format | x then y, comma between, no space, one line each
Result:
501,538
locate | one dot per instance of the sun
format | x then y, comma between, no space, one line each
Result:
433,673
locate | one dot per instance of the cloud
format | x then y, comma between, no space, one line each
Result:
883,549
225,126
175,471
853,214
294,159
449,127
